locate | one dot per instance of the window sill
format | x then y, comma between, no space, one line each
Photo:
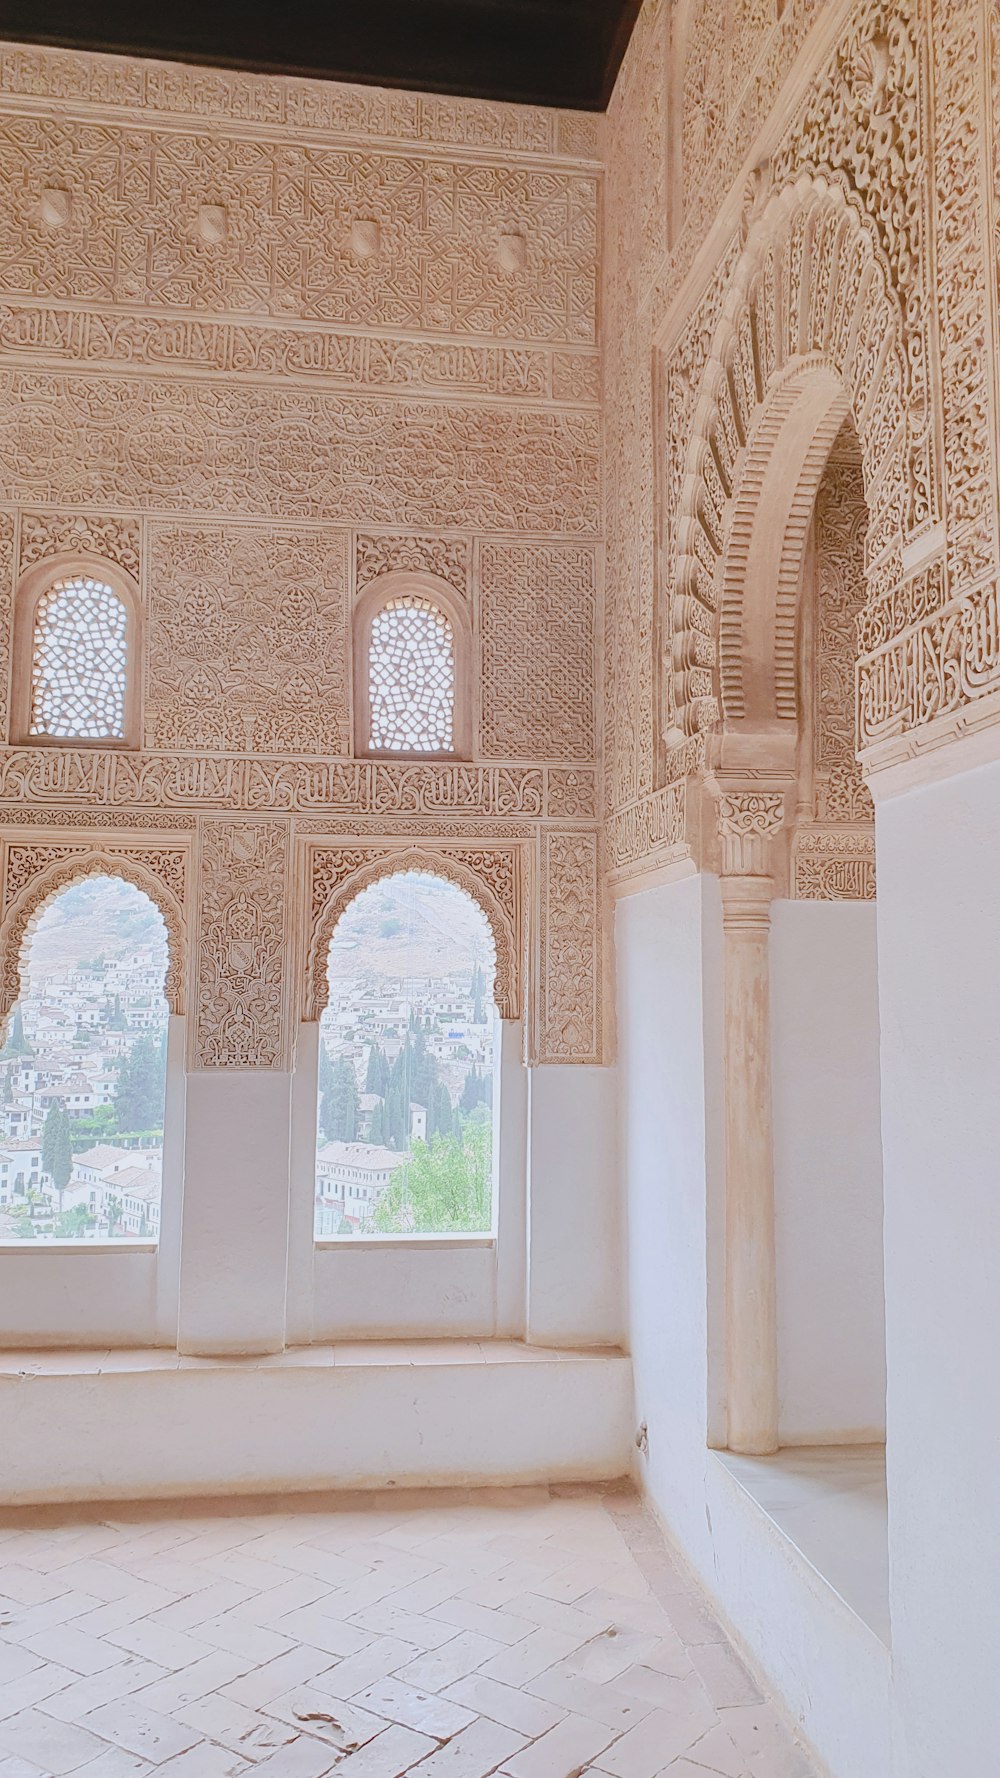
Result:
412,1243
336,1355
407,757
42,1246
828,1502
73,743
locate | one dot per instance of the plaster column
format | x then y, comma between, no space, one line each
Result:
747,820
234,1243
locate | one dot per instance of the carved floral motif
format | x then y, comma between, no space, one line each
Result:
492,874
241,1020
35,875
252,451
247,640
569,992
449,558
52,533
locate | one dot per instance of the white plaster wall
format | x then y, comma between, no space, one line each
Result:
301,1421
234,1238
574,1208
827,1172
237,1270
77,1295
813,1650
661,1006
939,989
390,1289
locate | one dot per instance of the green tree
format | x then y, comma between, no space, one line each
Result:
72,1225
413,1080
61,1158
139,1093
116,1018
444,1187
113,1206
377,1076
440,1123
396,1105
339,1109
17,1044
325,1069
97,1126
48,1135
475,1089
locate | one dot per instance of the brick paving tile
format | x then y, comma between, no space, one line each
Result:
504,1633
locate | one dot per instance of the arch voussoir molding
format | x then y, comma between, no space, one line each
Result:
811,334
493,875
160,875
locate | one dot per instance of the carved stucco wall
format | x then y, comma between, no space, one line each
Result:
262,341
774,207
833,846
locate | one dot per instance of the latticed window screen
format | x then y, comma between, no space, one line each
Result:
411,678
79,661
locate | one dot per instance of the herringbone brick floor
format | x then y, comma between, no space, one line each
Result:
528,1633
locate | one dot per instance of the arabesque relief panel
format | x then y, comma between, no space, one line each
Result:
248,640
262,342
736,112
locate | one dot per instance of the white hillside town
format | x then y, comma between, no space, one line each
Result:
406,1069
82,1072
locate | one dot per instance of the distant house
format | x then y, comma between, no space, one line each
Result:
138,1189
350,1179
94,1164
367,1103
131,1176
20,1169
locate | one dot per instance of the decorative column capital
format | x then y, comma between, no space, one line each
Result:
748,820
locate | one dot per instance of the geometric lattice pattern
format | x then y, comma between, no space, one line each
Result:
411,678
79,661
538,616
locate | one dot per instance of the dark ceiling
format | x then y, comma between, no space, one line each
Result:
551,52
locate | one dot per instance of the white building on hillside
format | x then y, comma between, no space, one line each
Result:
350,1179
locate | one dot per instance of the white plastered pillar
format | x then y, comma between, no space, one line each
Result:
234,1245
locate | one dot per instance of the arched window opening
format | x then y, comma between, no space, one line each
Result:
408,1044
411,678
83,1071
79,661
76,654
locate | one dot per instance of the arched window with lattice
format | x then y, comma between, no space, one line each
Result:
76,654
411,669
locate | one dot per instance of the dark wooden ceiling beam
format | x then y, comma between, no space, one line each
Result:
552,52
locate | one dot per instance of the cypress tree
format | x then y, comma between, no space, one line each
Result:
62,1155
377,1077
139,1094
442,1112
339,1110
49,1135
17,1044
325,1068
